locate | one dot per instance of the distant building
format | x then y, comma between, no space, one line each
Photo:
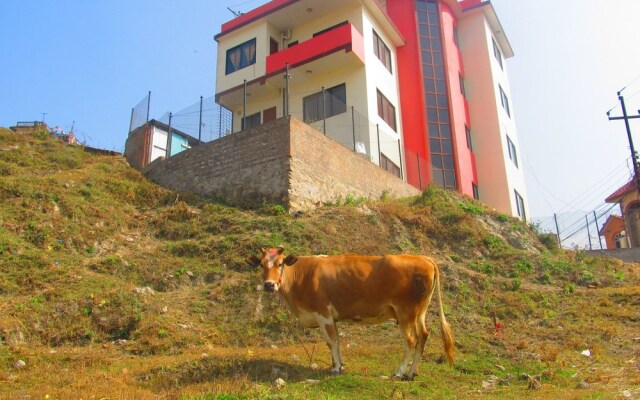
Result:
26,127
614,233
149,142
628,197
419,86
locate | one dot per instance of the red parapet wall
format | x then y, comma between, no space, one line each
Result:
345,37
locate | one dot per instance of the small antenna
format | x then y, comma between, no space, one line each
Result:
236,13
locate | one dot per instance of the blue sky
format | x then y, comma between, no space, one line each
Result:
90,62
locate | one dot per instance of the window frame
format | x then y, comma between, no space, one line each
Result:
389,166
513,155
313,106
386,110
243,61
251,121
520,206
382,51
504,100
497,53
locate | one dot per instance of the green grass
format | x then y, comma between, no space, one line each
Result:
79,233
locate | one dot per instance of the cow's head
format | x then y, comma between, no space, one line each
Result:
273,263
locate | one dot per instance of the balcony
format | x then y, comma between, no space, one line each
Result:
324,51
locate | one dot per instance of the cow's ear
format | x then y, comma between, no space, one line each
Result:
290,260
253,261
280,249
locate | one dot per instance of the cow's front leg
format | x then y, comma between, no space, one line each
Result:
330,333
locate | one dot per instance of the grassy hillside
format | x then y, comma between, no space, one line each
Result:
112,287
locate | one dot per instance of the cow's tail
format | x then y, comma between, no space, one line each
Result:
447,335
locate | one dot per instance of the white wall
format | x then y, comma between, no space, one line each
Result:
498,176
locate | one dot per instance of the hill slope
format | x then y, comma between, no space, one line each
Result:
113,287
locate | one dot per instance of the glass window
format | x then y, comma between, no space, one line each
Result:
505,101
251,121
386,111
335,102
512,151
382,51
468,133
496,52
476,192
520,206
241,56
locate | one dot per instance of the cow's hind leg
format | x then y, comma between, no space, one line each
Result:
330,334
423,335
408,329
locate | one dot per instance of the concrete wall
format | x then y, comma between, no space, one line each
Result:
626,255
282,162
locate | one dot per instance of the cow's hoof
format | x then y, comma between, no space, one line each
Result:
336,372
408,378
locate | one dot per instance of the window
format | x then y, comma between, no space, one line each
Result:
462,88
512,151
273,46
476,193
468,133
330,28
251,121
436,94
505,101
456,38
496,52
389,166
520,206
386,111
381,51
335,102
294,43
241,56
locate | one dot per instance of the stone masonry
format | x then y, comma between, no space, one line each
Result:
281,162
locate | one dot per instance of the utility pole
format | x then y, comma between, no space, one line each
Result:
626,119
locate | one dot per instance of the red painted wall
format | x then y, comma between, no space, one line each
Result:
465,162
412,101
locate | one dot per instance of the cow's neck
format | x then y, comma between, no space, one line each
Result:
286,280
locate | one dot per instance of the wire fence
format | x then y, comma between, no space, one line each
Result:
578,222
204,120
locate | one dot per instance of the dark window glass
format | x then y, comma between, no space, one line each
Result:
330,28
446,146
389,166
456,39
382,51
462,89
435,145
432,115
476,193
386,111
445,131
335,102
496,52
450,179
431,100
251,121
505,101
512,151
468,133
520,206
434,130
241,56
294,43
448,162
436,161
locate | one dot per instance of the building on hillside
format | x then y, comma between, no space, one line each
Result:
29,127
628,197
419,87
150,141
614,233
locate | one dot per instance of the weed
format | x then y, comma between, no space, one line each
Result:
279,210
471,208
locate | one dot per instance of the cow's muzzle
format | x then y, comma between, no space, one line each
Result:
269,286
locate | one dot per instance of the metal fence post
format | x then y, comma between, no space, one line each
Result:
220,122
555,218
419,171
200,123
379,150
586,217
148,105
353,126
400,156
595,218
324,113
286,90
169,137
244,107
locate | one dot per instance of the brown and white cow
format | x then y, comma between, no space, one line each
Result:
322,290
